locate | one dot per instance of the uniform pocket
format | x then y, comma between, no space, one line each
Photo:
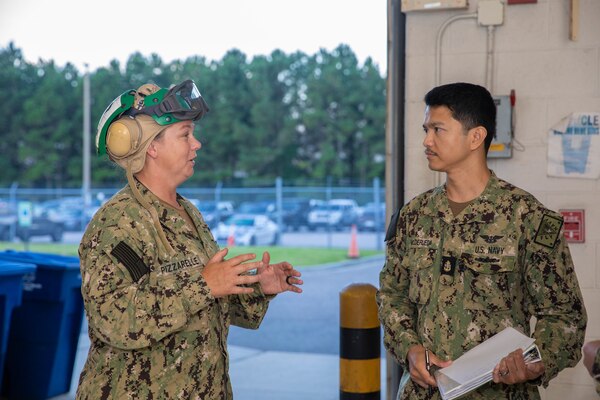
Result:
488,282
420,269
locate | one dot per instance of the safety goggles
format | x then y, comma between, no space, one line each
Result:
180,103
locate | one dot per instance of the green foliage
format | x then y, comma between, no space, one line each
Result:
297,116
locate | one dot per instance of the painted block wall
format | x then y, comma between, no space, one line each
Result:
553,77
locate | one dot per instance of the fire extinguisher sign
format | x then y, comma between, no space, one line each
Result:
574,225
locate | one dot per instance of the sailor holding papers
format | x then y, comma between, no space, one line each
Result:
474,256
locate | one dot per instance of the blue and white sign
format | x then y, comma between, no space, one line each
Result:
24,213
574,147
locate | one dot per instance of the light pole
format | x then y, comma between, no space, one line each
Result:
86,146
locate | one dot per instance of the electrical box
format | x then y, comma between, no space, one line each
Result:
430,5
490,12
501,146
574,225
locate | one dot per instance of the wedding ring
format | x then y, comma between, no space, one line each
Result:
287,279
504,373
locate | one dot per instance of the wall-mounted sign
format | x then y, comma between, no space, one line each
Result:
574,225
25,213
574,147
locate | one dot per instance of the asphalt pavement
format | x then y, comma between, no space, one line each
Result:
294,355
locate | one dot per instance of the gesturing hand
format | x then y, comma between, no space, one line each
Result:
277,278
225,277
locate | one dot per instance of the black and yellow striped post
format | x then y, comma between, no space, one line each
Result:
360,349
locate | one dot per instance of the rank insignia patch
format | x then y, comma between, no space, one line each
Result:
448,265
548,231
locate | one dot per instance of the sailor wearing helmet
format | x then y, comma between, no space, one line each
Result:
159,294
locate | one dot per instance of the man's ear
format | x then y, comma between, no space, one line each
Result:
478,135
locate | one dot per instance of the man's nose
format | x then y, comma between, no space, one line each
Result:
428,139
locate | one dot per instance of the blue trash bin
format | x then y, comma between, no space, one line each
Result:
45,329
11,288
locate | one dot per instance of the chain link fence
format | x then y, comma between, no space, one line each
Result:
27,212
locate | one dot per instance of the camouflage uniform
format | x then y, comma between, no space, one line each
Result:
156,331
450,283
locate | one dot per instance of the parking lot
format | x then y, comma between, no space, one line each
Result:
365,240
278,215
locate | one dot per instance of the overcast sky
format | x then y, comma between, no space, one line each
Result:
95,32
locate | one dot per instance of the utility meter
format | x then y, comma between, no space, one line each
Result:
501,146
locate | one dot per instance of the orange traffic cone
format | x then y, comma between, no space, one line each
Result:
231,237
353,249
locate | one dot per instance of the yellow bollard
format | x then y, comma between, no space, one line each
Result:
360,349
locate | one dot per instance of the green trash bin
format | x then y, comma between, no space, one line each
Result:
12,275
45,329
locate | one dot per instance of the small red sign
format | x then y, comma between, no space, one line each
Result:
574,225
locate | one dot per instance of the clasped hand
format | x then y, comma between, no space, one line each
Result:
225,277
513,369
510,370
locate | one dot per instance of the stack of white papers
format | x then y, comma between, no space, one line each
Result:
475,367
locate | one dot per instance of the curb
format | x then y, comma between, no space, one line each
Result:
345,263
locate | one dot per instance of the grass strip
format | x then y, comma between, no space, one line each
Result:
297,256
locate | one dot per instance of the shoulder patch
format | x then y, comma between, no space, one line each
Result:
129,258
548,231
391,230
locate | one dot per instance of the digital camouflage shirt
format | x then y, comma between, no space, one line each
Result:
449,283
156,331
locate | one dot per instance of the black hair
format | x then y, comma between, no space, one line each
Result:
471,105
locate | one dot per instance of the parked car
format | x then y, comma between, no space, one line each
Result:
8,218
294,213
372,218
338,214
214,212
248,230
257,207
70,212
42,224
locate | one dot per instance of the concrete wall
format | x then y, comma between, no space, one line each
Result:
553,77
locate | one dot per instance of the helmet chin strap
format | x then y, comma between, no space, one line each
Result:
138,196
